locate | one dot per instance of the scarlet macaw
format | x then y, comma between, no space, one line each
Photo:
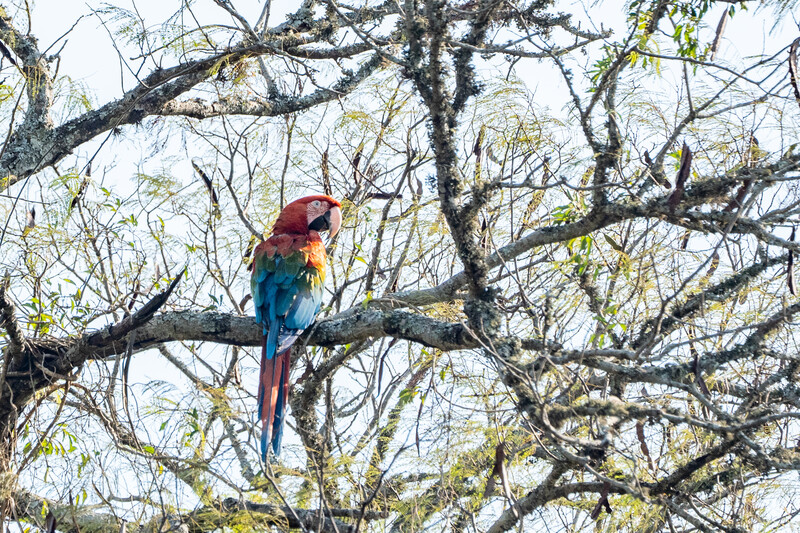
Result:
286,284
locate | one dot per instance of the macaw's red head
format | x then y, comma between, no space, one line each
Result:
318,213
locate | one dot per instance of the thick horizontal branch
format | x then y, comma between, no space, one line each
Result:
236,330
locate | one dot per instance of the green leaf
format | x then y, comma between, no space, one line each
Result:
612,242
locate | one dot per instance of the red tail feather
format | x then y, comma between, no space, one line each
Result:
273,379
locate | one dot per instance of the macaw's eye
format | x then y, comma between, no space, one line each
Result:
315,203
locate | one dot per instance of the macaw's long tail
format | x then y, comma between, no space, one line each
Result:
273,392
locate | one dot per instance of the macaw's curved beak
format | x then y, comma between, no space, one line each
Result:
335,214
330,221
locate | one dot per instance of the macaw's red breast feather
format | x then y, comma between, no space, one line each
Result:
316,254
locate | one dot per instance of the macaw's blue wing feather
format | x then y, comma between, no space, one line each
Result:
287,294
